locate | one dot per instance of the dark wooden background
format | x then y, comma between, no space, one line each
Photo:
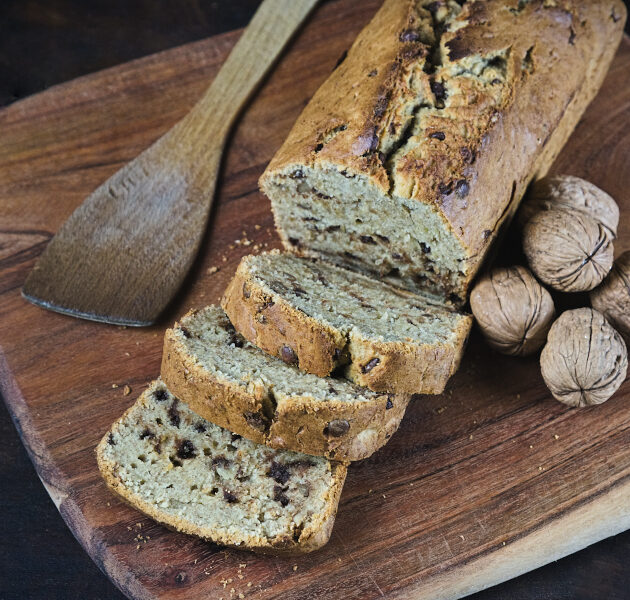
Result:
44,42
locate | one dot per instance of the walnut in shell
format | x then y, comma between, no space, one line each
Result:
612,297
585,360
565,192
571,252
513,311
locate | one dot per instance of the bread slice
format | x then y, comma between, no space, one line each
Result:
415,152
201,479
320,317
230,382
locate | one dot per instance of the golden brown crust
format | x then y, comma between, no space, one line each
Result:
315,535
227,406
299,423
282,330
410,368
557,53
279,329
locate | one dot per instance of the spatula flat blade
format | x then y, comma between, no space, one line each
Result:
123,254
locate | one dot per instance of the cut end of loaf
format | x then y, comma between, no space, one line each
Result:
323,211
200,479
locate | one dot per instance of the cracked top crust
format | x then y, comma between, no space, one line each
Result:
454,104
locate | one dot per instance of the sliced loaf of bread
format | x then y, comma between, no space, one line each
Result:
230,382
414,153
201,479
321,317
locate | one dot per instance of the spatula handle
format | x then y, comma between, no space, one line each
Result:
271,27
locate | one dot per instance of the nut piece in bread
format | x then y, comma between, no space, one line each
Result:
566,192
513,310
612,297
569,251
585,360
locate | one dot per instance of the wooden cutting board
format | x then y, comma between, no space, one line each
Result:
483,483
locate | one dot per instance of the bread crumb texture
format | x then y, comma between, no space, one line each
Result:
234,384
203,480
323,318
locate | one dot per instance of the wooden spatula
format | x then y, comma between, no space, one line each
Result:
123,254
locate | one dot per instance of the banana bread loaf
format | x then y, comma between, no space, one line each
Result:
200,479
419,146
226,380
321,317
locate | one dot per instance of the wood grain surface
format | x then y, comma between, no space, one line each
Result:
473,489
